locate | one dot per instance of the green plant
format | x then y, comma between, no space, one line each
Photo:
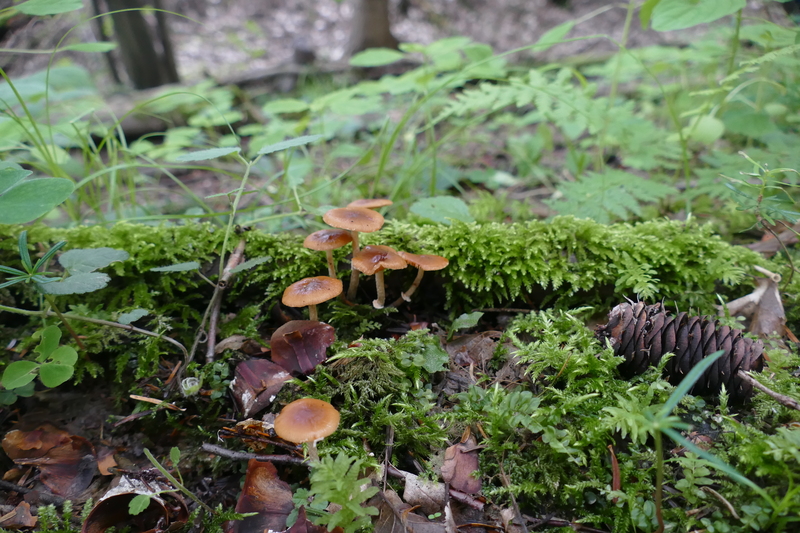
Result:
336,481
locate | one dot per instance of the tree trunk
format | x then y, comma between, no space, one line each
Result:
371,26
146,66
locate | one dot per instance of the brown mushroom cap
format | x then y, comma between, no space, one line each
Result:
328,239
376,257
311,291
306,420
425,262
370,203
354,219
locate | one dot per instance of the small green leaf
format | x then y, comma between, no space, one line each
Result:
77,284
41,8
10,175
132,316
671,15
285,105
7,397
291,143
174,455
102,46
64,355
376,57
19,373
205,155
467,320
31,199
554,36
90,259
442,209
646,12
435,359
138,504
50,337
250,263
54,374
178,267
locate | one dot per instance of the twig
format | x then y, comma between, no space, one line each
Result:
242,456
560,522
505,482
98,321
216,299
781,398
43,496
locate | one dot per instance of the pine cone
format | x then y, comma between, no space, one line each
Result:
642,334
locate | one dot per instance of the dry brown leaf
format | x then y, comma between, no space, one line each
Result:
256,383
263,493
300,345
429,495
460,466
304,525
763,307
19,518
395,517
476,349
32,444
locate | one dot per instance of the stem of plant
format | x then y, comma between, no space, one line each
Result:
177,484
64,321
659,479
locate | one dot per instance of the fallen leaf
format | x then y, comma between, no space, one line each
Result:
304,525
460,466
394,516
476,349
762,307
19,518
36,443
263,493
300,345
256,383
113,512
429,495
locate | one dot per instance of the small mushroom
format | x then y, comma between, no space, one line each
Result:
328,240
307,420
370,203
310,292
423,263
373,260
355,220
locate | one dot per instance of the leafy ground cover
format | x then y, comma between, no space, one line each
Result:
140,308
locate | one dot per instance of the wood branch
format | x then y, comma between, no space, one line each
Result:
780,398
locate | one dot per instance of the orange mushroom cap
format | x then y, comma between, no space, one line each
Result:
370,203
424,261
376,257
354,219
328,239
306,420
312,291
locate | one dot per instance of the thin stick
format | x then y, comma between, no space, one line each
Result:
781,398
43,496
245,456
80,318
213,319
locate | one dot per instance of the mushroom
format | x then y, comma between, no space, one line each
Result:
327,240
355,220
307,420
370,203
423,263
373,260
310,292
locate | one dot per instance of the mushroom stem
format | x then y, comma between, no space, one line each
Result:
406,296
313,454
312,312
351,290
378,302
331,265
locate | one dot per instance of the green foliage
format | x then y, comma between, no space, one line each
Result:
54,365
336,481
23,200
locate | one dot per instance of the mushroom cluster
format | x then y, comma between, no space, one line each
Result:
347,224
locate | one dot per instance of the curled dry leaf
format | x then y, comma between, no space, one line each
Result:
461,465
429,495
300,345
304,525
256,383
476,349
67,462
164,511
395,516
19,518
762,307
263,493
